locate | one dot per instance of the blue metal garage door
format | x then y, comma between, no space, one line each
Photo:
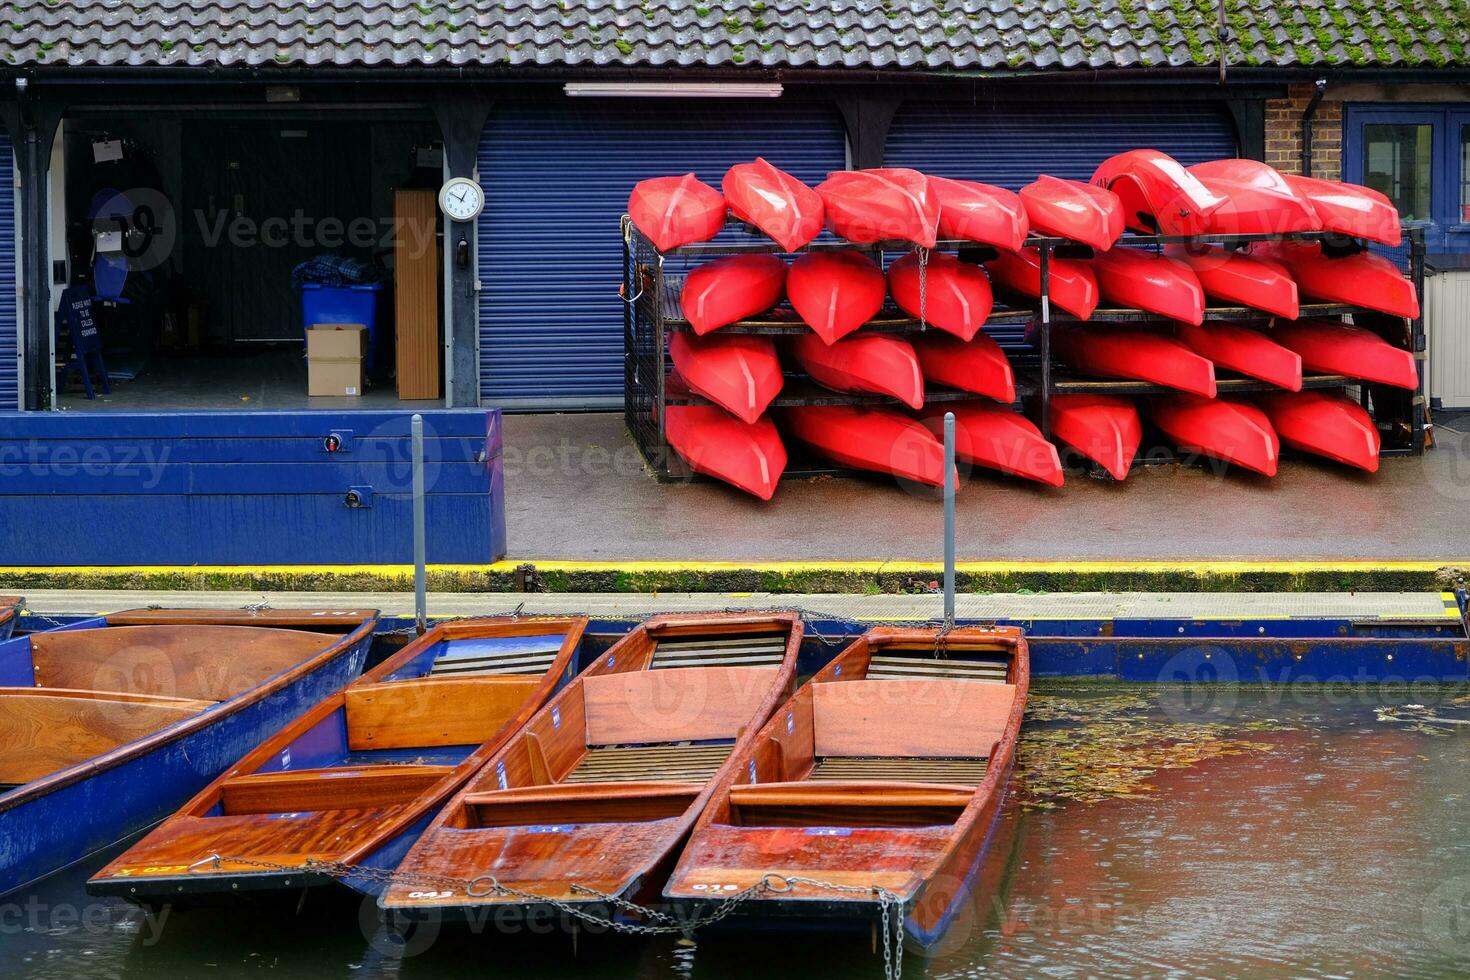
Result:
1010,145
9,303
556,182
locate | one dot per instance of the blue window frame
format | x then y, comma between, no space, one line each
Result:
1419,155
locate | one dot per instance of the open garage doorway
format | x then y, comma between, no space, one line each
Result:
206,252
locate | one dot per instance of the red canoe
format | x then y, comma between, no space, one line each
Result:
1258,200
1244,350
1326,424
1157,193
889,204
1116,351
674,211
1350,209
977,365
973,212
1332,347
741,374
1070,282
872,362
775,202
1364,279
957,297
1140,280
835,292
1104,428
732,288
1236,277
877,439
1072,209
1000,438
1236,432
745,454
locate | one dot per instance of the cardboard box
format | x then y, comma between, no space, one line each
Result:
334,353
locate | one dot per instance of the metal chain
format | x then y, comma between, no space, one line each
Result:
923,254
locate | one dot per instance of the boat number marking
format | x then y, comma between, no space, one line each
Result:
612,662
286,759
712,888
555,716
500,775
752,772
837,671
790,723
430,894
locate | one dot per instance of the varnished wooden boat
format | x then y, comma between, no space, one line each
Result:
593,797
359,776
107,725
886,770
10,607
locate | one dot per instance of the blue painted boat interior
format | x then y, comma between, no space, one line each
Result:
422,664
16,668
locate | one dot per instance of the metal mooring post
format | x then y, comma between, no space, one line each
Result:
949,489
420,532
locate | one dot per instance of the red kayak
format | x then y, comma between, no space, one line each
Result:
1138,280
1332,347
874,362
956,298
1157,193
1236,277
1000,438
888,204
1364,279
1071,209
1070,282
1116,351
741,374
775,202
1325,424
1258,200
974,212
1104,428
732,288
877,439
1236,432
748,455
1350,209
835,292
977,365
674,211
1244,350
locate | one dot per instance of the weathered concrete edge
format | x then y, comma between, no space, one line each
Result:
778,577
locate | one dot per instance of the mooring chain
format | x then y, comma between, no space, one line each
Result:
923,254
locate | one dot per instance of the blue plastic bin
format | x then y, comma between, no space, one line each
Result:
344,304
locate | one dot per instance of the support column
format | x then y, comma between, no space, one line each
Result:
867,121
1250,126
461,115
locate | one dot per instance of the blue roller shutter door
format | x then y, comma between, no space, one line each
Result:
9,302
556,181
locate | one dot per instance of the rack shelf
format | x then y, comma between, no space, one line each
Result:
653,313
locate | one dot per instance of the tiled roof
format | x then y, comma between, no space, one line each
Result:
857,34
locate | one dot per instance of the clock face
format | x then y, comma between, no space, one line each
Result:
461,199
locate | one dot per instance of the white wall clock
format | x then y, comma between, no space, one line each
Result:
461,199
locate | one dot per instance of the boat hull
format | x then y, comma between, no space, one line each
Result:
732,288
834,293
1140,280
1157,193
1104,428
747,455
954,296
1350,209
999,438
1236,277
1071,209
869,439
1236,432
1364,279
1244,350
1258,200
978,365
674,211
10,607
740,373
777,203
1115,351
974,212
876,363
1325,424
1344,348
1071,283
885,204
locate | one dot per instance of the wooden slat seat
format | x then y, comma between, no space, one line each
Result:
953,772
682,763
477,658
615,802
891,667
307,790
849,804
730,651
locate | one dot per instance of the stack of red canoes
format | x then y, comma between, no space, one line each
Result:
736,375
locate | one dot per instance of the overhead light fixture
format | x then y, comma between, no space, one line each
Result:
674,90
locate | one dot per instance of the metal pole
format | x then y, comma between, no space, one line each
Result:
1044,344
420,532
949,489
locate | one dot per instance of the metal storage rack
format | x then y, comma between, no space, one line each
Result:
651,312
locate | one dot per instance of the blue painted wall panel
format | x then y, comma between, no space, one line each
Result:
557,180
104,489
9,312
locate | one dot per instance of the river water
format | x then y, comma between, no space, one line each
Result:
1277,832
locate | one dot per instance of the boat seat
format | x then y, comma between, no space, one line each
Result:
728,651
498,655
954,772
993,670
612,802
308,790
849,804
669,762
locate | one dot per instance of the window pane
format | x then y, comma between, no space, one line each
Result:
1396,162
1465,174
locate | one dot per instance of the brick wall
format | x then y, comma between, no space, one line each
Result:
1284,134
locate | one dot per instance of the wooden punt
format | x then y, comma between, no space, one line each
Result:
594,796
10,607
359,776
886,770
108,724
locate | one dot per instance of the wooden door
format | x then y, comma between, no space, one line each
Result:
416,293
